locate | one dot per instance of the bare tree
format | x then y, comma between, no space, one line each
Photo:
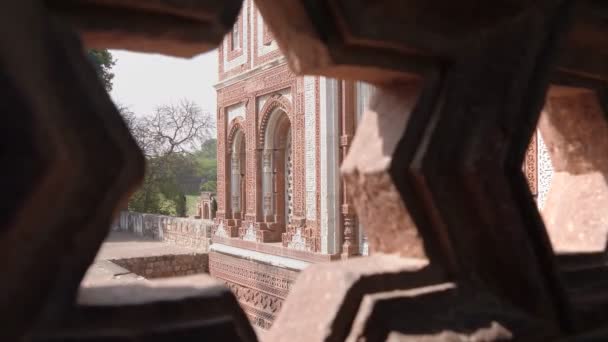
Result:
166,137
180,128
127,114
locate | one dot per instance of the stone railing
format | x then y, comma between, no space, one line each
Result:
185,232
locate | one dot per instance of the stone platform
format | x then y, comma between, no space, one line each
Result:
124,256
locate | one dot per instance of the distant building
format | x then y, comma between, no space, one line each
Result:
281,138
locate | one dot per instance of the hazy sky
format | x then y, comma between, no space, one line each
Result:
144,81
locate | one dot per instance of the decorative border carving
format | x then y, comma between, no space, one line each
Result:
260,308
235,126
275,249
260,288
530,165
261,83
274,102
238,52
315,230
221,156
267,39
544,171
224,74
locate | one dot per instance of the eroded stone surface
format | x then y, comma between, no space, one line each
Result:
340,286
193,306
366,171
442,313
576,134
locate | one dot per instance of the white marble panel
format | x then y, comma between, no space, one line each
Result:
283,92
329,165
236,111
310,148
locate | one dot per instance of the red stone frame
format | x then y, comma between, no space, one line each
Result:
245,31
232,52
224,214
267,40
267,231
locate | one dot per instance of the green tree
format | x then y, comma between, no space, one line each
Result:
103,61
171,138
206,160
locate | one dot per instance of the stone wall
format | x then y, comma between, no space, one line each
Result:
185,232
259,287
166,265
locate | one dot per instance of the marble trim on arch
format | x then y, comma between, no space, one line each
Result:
275,102
236,125
264,82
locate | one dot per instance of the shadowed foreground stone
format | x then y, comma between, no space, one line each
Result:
175,27
442,313
576,134
330,293
182,307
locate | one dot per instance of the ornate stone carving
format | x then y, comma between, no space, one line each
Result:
265,48
250,233
311,151
232,63
220,231
544,170
530,165
274,102
350,246
261,308
298,241
260,288
235,127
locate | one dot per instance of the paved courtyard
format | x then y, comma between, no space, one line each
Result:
122,245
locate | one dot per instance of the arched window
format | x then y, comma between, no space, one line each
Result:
277,170
237,176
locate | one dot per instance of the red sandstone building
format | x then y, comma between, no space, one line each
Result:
281,138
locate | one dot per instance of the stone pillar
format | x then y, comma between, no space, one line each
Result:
223,179
350,245
235,182
575,132
267,185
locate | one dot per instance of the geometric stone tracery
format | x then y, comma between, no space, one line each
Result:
502,76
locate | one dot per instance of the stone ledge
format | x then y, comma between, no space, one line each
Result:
252,255
166,265
275,249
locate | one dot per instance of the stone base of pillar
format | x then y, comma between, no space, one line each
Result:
298,236
232,227
349,250
268,232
